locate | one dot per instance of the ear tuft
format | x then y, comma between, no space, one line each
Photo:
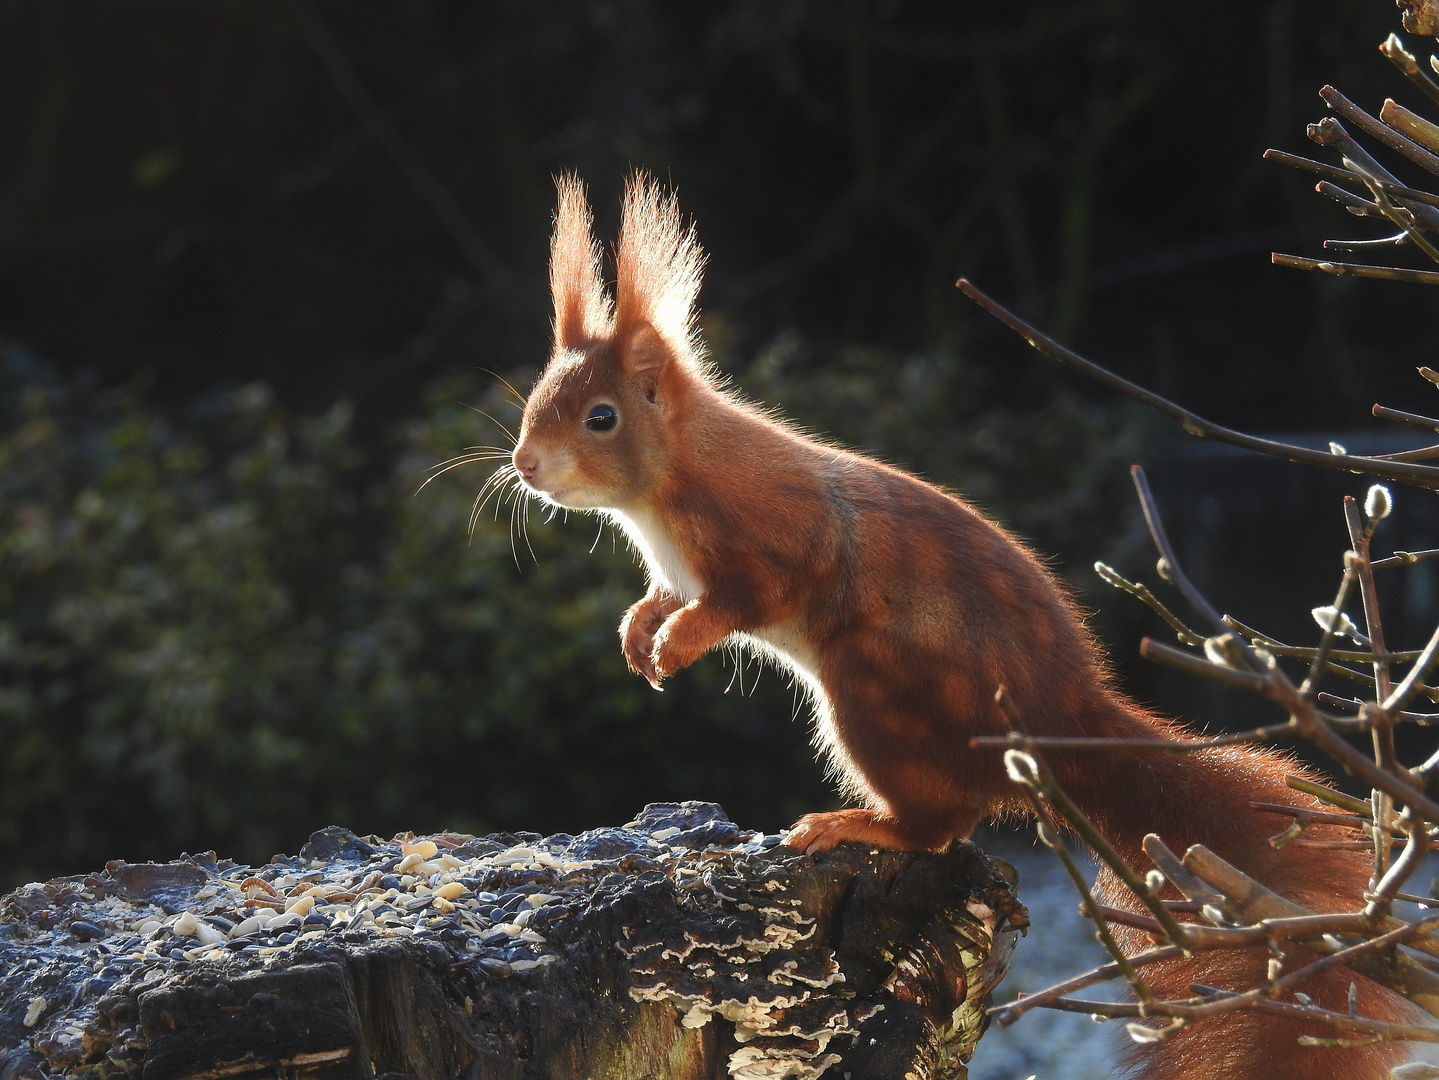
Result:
658,265
582,310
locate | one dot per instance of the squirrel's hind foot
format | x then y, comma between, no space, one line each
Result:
815,833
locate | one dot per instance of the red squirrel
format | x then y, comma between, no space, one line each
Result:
901,609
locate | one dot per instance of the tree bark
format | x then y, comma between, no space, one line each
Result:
678,947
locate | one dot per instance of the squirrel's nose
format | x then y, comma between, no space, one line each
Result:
527,462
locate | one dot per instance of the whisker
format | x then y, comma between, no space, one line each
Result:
513,491
475,509
525,527
519,397
490,488
476,453
455,462
493,487
514,509
598,533
492,420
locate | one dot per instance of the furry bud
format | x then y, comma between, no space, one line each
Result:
1021,767
1330,618
1142,1034
1378,503
1415,1070
1217,650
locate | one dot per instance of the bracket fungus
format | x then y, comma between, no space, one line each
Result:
677,946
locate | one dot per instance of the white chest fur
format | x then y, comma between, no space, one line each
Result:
782,644
661,555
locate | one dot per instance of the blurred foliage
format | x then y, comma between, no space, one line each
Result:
228,628
226,618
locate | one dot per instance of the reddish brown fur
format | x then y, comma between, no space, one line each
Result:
902,609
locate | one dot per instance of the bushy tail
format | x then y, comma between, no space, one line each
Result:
1203,797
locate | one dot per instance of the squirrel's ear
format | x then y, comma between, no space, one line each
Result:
644,353
582,309
658,264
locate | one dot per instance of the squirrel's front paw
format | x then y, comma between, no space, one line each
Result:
637,634
673,649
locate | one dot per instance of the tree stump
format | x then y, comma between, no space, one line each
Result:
677,947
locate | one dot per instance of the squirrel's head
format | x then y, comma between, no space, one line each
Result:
600,423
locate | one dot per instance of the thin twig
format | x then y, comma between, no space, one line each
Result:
1319,168
1351,246
1426,476
1383,412
1028,778
1004,1015
1254,903
1344,269
1191,885
1312,817
1356,705
1421,453
1372,127
1168,746
1343,1021
1410,124
1353,203
1169,563
1141,591
1178,658
1330,796
1393,50
1412,684
1381,730
1406,558
1330,132
1279,648
1038,783
1313,726
1384,893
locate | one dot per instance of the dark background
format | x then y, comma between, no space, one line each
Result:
261,262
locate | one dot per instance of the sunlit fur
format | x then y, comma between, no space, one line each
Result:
582,310
901,610
658,264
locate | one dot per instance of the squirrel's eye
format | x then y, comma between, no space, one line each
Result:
602,418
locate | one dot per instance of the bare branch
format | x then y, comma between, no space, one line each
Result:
1385,413
1393,50
1330,796
1140,590
1167,654
1166,746
1029,770
1355,704
1344,269
1372,127
1426,476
